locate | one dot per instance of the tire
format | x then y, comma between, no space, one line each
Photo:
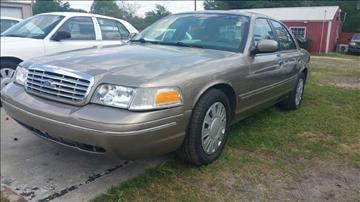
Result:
195,148
295,97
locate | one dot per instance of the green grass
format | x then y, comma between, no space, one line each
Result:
268,152
3,199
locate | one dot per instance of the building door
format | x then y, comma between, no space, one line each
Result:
11,12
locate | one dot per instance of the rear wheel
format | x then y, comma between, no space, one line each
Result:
208,129
295,97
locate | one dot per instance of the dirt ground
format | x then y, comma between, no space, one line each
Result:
323,181
342,82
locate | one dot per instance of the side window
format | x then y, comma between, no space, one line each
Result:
80,28
262,30
125,34
284,38
112,29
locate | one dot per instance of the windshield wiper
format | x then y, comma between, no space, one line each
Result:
142,40
180,43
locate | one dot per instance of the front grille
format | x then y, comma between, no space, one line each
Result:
58,85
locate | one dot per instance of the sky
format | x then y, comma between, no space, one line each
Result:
173,6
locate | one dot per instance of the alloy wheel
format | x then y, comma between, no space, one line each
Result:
213,128
299,91
6,76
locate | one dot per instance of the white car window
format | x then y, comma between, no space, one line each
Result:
37,27
112,29
6,24
80,28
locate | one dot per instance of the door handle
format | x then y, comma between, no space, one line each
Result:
281,62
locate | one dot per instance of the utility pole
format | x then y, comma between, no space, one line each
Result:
194,5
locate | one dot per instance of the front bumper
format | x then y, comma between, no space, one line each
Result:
354,49
116,132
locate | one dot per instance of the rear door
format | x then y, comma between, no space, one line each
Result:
290,56
82,32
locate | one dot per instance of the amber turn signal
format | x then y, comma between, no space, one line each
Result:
167,97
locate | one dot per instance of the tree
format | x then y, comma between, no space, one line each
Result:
127,11
351,8
154,15
44,6
106,7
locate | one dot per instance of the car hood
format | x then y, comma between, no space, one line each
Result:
22,48
131,64
16,42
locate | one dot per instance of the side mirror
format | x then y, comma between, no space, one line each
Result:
267,46
61,35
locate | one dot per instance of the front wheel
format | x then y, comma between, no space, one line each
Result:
208,129
7,71
295,97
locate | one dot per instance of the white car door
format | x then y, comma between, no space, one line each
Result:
82,35
113,32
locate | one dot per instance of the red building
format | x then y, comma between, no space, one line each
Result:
320,24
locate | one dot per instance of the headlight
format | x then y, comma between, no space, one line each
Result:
112,95
21,75
352,44
137,99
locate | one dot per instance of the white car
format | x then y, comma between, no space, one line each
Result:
51,33
7,22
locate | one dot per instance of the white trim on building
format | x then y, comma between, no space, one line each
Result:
328,37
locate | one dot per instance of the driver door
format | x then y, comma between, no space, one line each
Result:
82,32
264,68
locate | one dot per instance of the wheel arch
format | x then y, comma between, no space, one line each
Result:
9,58
305,71
226,87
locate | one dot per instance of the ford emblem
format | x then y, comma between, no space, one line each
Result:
49,83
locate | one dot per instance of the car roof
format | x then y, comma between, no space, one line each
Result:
229,12
10,18
75,14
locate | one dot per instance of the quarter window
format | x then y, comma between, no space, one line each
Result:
262,30
299,32
283,36
80,28
112,30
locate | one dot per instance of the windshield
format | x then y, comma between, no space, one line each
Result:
212,31
37,27
356,36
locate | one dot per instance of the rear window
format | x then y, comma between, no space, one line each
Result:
356,36
6,24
